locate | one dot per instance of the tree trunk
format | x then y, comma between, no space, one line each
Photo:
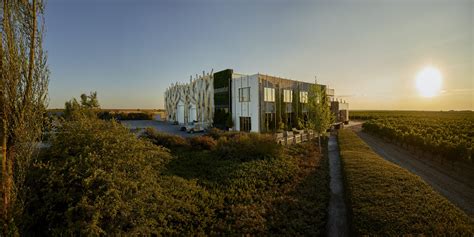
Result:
31,63
5,191
4,127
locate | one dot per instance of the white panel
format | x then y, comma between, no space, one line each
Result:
192,113
180,113
246,109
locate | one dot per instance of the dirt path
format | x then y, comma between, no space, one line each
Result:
337,223
461,193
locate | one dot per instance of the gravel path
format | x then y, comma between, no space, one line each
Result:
459,190
337,223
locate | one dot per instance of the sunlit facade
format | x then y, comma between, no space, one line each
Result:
251,103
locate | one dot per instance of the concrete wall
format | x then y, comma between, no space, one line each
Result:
246,109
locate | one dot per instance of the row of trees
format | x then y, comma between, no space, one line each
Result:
23,100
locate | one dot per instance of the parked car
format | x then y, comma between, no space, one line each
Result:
195,126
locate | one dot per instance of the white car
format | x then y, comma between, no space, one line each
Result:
195,126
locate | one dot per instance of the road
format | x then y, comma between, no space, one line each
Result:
457,188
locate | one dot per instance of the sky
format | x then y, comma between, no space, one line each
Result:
369,51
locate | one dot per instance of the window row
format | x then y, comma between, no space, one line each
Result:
269,95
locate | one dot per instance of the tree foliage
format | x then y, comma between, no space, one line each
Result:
320,117
23,99
98,178
88,106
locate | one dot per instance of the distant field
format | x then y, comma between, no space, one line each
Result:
375,114
449,134
387,200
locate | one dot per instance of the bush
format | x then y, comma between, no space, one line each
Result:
164,139
247,147
388,200
218,133
97,178
202,142
215,133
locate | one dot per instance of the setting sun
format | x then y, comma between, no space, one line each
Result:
428,81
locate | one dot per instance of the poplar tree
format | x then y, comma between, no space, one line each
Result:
24,80
320,117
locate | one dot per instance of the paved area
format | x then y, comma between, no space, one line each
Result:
158,125
337,222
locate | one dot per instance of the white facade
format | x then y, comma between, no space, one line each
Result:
256,103
246,109
193,101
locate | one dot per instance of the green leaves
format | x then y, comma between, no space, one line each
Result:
281,195
97,178
320,117
100,177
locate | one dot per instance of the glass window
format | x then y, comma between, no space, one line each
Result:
268,94
245,124
287,96
244,94
303,97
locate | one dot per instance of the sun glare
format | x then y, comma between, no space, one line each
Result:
428,81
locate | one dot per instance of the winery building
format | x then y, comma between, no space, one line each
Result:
256,103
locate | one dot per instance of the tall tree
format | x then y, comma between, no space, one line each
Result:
24,80
320,117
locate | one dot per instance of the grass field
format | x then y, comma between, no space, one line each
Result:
385,199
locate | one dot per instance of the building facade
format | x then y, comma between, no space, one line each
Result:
193,101
252,103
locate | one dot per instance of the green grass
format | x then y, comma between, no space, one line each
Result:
385,199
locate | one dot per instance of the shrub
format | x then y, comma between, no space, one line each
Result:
247,147
218,133
215,133
164,139
389,200
202,142
97,178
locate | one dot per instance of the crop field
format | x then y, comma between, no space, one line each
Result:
385,199
449,135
